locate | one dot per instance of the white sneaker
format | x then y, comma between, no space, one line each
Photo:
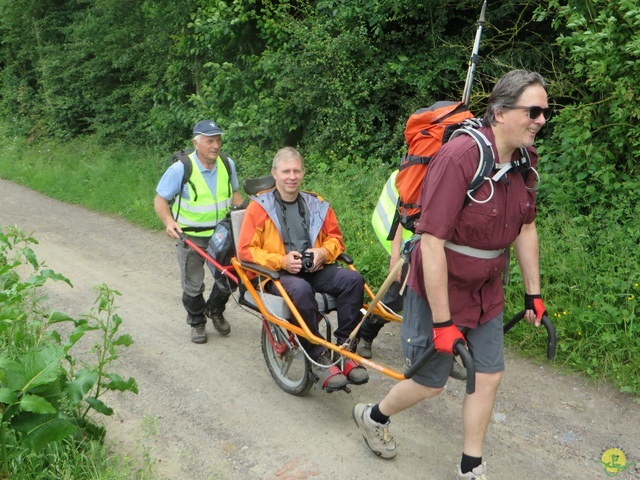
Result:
376,435
477,473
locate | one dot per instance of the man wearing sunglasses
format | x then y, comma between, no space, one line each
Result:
455,277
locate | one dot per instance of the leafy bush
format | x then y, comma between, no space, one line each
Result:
47,393
595,141
337,77
591,282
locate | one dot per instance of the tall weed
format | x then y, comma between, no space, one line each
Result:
46,392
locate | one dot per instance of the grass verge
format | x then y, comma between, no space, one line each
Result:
590,268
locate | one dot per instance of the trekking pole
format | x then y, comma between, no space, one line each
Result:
405,255
383,289
466,94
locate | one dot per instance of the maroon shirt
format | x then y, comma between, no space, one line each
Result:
475,285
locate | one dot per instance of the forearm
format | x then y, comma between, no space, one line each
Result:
527,252
236,199
435,273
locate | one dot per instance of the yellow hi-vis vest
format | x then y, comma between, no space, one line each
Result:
384,212
199,214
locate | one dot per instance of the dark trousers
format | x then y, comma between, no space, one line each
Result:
392,299
192,279
346,285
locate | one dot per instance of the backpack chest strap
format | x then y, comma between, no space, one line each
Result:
501,170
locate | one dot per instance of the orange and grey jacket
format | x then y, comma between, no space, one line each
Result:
261,239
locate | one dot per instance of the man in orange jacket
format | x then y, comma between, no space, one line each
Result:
297,234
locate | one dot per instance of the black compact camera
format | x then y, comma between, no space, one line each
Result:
307,261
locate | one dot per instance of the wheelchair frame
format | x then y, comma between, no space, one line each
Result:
279,338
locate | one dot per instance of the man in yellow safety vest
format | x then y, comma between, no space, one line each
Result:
203,201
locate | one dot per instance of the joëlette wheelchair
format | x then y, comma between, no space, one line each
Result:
283,326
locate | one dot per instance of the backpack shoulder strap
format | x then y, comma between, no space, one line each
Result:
525,168
524,165
485,160
188,168
225,162
183,156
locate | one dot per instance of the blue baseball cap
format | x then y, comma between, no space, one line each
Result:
208,128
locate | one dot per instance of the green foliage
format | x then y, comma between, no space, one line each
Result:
75,460
591,285
77,67
594,148
590,189
335,77
208,67
77,172
46,393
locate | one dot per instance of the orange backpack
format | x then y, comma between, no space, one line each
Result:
426,130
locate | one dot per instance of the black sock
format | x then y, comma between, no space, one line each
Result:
377,415
469,463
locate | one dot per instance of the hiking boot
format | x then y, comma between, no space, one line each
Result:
376,435
219,322
355,372
477,473
329,376
458,371
364,348
198,333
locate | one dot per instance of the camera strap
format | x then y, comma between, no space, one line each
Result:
295,228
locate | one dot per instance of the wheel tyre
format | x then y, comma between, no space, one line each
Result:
292,369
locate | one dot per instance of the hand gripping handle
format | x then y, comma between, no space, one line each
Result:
551,331
467,361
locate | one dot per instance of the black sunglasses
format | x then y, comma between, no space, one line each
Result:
534,112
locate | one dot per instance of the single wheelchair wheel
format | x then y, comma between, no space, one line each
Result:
286,360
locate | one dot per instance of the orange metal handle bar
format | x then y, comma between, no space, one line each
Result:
302,329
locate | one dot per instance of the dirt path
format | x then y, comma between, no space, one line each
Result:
213,412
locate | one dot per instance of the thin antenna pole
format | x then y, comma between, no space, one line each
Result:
474,56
